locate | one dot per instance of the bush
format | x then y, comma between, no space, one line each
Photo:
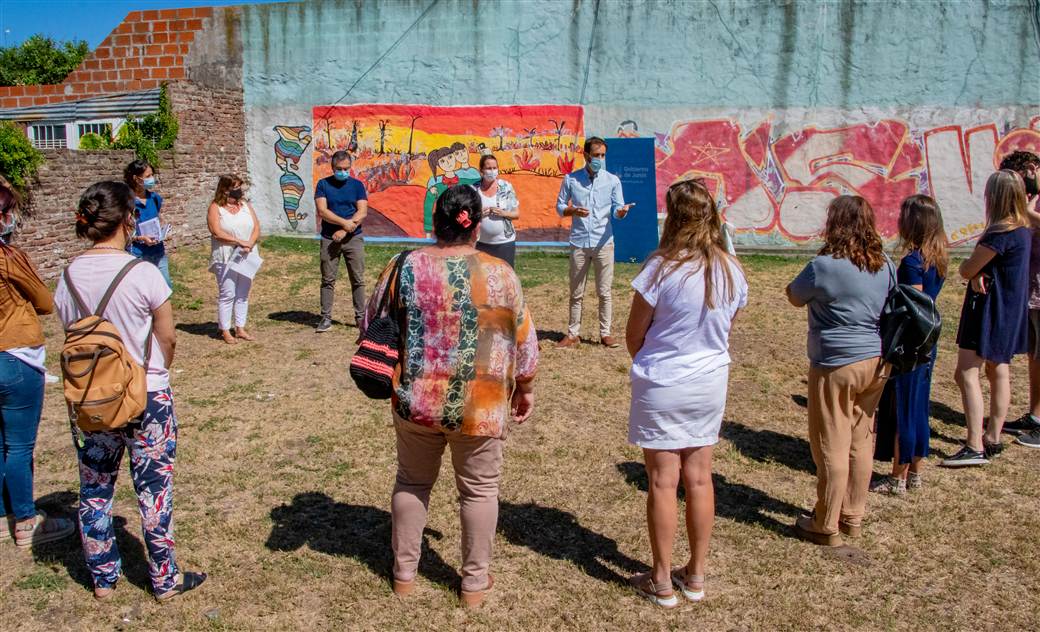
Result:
93,142
151,133
40,60
19,160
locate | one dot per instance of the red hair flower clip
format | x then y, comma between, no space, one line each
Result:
463,218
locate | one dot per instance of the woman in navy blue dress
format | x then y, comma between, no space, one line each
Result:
902,419
994,321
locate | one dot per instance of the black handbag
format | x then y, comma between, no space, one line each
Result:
910,327
374,363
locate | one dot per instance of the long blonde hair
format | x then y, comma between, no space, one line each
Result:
693,233
1005,202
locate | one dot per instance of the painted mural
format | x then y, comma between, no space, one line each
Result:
774,186
288,150
406,155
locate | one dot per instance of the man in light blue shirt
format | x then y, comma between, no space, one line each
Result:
589,197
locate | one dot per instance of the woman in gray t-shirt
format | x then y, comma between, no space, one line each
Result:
845,287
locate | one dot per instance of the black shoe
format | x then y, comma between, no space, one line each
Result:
1029,439
992,450
1022,425
965,457
324,325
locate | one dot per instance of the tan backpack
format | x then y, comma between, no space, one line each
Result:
104,387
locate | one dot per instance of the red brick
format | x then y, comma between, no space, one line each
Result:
167,14
166,61
203,12
89,64
142,27
171,49
159,73
108,64
161,38
132,62
186,36
120,51
124,27
120,40
140,73
153,50
183,14
110,86
102,52
161,26
14,91
134,16
193,25
177,72
149,15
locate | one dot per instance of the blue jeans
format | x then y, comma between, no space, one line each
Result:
159,260
21,402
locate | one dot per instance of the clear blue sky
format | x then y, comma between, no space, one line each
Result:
90,20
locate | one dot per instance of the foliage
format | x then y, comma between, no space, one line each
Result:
19,160
92,141
151,133
40,60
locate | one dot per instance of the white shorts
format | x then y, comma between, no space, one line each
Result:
678,416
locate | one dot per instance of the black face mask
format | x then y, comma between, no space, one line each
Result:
1032,187
235,194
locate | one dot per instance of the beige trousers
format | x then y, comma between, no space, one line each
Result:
601,260
842,403
478,468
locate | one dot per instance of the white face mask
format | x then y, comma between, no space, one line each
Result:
490,175
7,225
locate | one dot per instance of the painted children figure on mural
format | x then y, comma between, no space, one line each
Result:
453,162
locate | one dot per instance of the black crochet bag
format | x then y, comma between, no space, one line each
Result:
373,365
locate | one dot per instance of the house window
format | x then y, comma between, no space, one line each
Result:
48,136
103,130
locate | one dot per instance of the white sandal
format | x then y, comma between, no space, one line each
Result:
680,579
646,588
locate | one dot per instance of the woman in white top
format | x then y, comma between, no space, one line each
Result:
686,298
500,207
233,229
139,308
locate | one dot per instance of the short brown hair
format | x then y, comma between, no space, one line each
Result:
103,208
851,233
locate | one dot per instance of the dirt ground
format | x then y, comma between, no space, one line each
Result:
284,473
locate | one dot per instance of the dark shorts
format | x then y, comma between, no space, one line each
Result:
1034,334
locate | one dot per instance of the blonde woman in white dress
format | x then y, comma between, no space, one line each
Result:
234,229
685,300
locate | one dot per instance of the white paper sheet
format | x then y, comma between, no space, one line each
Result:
246,264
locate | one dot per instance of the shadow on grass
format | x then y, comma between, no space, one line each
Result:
69,552
558,534
209,330
801,400
552,336
766,445
307,319
356,531
947,415
732,500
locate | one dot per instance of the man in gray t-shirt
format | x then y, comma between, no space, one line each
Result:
845,305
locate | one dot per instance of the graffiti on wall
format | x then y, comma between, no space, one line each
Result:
778,184
288,150
406,155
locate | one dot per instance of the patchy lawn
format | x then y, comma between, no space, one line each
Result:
285,471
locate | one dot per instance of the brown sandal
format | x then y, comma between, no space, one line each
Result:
474,598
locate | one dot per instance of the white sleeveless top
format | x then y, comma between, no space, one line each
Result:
239,225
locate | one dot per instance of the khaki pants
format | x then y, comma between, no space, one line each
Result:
478,468
842,403
601,260
352,249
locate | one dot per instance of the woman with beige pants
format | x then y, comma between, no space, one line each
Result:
845,287
468,356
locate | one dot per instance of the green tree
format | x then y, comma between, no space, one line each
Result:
18,158
40,60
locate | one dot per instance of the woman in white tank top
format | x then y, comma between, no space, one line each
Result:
234,230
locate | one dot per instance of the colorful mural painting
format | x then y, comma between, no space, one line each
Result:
406,155
776,186
288,150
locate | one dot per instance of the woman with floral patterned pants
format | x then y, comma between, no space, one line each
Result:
139,308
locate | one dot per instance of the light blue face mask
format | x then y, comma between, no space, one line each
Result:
149,183
341,175
596,164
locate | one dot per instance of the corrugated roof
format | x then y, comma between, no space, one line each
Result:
107,106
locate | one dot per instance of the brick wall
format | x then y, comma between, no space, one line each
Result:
211,142
149,48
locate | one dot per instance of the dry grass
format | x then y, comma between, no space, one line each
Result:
284,475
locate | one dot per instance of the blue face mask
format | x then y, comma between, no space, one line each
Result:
596,164
149,183
341,174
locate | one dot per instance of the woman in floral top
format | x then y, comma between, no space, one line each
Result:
469,356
